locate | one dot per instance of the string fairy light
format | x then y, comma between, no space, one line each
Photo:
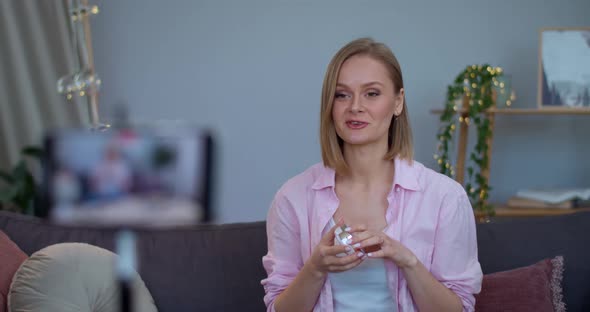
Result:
477,83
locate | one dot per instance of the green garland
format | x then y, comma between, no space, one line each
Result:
476,82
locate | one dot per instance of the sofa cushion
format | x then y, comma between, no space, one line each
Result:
206,268
11,258
504,245
72,277
533,288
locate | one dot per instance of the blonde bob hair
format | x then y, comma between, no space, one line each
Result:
400,134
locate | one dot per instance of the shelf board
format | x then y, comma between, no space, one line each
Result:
528,111
503,211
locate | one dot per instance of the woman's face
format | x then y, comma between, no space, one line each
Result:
365,102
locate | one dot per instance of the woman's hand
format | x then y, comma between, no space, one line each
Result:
380,245
324,257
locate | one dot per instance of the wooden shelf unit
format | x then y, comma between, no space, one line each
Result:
527,111
503,211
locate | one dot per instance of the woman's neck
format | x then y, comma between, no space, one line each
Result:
367,165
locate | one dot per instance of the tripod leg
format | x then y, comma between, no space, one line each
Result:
126,264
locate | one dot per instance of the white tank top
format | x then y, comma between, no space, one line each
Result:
363,288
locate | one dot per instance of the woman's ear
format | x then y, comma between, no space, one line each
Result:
399,99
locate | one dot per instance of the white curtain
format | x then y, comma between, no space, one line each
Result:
35,51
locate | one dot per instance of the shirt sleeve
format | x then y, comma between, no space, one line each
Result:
454,260
283,260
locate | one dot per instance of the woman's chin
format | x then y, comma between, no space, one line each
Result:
358,141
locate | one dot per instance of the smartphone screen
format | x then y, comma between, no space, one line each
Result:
133,177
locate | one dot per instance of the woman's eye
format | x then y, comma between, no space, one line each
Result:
373,93
340,95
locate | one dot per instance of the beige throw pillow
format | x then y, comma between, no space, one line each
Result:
72,277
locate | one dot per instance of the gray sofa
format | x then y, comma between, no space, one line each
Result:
218,267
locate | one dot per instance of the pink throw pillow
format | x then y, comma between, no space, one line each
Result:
536,288
11,257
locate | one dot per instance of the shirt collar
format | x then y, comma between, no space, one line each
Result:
406,176
326,178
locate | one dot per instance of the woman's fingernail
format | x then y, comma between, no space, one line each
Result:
348,248
357,245
360,254
348,229
370,254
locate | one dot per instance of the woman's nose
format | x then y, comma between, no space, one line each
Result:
355,104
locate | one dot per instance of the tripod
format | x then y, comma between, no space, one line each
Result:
126,247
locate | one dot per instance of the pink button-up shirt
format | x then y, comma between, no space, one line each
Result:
428,213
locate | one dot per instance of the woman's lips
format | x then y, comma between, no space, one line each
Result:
356,125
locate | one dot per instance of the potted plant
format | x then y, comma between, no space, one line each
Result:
19,190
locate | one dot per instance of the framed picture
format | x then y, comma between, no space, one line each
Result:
564,68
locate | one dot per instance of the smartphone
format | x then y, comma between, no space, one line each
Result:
146,177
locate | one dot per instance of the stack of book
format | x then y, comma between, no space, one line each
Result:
551,198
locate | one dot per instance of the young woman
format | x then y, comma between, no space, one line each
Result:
419,224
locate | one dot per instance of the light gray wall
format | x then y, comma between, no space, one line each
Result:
253,70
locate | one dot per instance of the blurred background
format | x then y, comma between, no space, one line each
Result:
252,72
